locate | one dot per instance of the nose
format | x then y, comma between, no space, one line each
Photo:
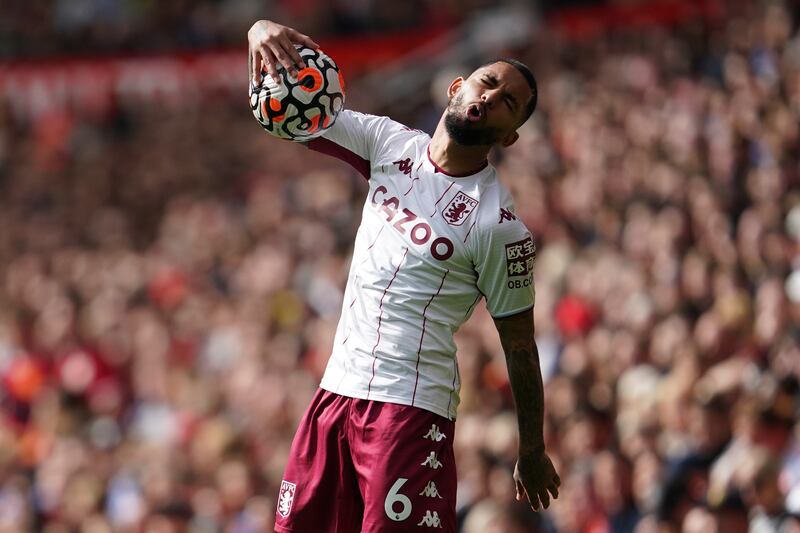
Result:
488,97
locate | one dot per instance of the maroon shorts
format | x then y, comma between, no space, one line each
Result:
360,465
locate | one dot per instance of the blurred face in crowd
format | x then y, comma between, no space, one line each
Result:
487,107
699,520
709,427
612,481
763,487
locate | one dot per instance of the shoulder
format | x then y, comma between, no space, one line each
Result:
498,230
376,123
498,213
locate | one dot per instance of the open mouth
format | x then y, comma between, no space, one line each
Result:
474,112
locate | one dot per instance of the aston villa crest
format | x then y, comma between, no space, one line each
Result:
459,209
285,498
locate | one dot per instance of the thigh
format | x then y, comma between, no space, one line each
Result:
406,468
319,492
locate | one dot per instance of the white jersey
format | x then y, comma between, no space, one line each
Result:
428,247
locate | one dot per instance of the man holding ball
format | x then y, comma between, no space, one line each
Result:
374,451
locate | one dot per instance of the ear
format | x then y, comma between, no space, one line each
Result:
454,87
509,139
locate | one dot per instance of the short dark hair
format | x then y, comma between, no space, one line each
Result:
523,69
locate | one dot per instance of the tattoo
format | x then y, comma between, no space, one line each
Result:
525,376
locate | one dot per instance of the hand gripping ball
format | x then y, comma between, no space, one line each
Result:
303,107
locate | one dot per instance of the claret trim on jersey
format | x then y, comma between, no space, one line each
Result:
446,173
328,147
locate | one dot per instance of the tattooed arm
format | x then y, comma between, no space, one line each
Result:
534,473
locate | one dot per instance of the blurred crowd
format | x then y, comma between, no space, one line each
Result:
61,27
171,280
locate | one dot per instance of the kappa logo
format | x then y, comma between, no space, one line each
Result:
459,209
404,165
430,491
431,520
285,498
434,434
506,214
432,461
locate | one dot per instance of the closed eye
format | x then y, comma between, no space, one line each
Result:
491,81
511,102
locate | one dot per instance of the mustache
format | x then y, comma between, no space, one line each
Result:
464,132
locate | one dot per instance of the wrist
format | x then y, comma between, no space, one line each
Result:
534,451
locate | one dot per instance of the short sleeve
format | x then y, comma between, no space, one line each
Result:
354,138
505,253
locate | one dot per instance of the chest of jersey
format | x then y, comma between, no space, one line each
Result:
430,213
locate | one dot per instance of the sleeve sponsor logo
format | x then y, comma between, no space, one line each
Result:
519,257
459,209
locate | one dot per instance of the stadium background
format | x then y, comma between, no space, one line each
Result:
170,278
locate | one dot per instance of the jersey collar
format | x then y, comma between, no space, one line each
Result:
437,168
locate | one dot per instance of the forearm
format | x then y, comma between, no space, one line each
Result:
534,474
525,377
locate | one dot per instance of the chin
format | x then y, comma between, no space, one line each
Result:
466,133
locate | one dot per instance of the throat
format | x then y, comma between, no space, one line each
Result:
458,165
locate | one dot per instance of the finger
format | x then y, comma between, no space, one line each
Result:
293,53
557,479
255,60
304,39
271,64
544,498
260,62
554,491
520,491
284,59
534,501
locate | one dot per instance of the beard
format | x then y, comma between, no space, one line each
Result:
462,130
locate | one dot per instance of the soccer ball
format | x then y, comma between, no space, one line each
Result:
303,107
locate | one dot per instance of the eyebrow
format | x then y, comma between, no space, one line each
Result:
492,79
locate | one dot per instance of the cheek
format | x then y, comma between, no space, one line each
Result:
467,92
457,99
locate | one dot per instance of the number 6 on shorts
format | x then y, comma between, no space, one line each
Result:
394,497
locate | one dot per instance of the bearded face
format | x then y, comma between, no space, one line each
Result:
464,131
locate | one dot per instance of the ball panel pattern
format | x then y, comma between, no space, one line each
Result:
302,107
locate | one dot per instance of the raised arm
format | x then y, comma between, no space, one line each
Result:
534,474
272,43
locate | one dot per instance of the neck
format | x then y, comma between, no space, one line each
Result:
455,159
